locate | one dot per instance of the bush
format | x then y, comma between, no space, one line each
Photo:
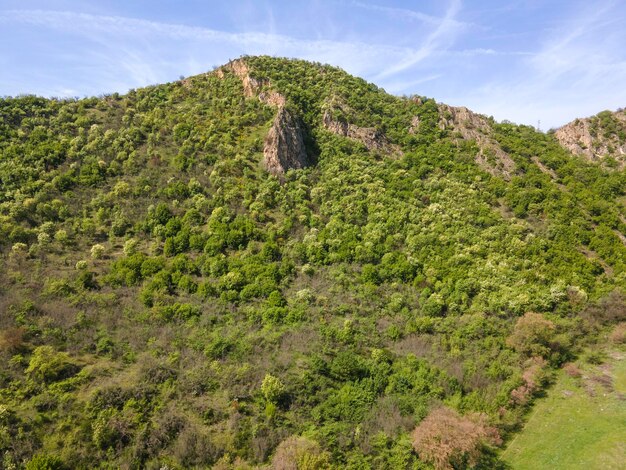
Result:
81,264
61,236
618,335
19,248
87,280
300,453
111,429
533,335
12,339
179,311
47,365
534,378
273,389
447,440
130,246
97,251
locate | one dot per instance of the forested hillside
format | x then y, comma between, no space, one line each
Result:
278,264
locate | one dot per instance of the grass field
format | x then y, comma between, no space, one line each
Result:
581,424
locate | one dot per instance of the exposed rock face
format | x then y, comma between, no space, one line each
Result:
251,86
284,144
272,98
576,138
372,138
284,147
596,137
415,125
476,127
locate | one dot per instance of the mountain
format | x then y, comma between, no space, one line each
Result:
279,264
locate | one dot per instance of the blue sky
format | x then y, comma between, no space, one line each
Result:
526,60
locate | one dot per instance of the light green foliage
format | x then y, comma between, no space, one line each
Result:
130,247
272,388
81,265
97,251
375,283
45,462
47,365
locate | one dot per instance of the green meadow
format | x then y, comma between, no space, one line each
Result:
581,424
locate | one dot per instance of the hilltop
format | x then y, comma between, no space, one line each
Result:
279,264
598,138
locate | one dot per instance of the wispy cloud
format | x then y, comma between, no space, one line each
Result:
525,62
568,51
400,86
408,15
579,69
441,38
358,56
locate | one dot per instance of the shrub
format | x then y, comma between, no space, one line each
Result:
618,335
12,339
47,365
532,335
111,429
130,247
272,388
534,377
43,238
87,280
19,248
178,311
81,264
447,440
276,299
300,453
61,236
595,357
97,251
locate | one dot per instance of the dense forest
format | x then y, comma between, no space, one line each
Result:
395,298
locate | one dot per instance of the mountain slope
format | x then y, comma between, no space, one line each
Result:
279,262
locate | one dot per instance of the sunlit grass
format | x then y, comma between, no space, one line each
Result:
581,424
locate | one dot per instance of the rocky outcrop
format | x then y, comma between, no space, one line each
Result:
576,137
415,125
284,147
472,126
372,138
284,144
252,87
596,137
